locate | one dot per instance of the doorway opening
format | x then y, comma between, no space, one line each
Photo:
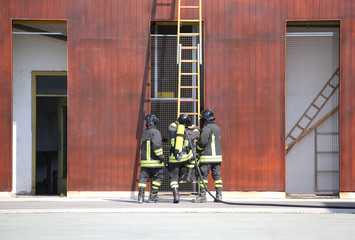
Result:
39,79
312,108
164,83
50,132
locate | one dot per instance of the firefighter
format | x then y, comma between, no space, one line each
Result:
210,156
152,160
181,152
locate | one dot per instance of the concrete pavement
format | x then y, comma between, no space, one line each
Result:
47,217
55,204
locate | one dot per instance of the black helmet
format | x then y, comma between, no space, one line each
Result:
151,120
184,120
207,116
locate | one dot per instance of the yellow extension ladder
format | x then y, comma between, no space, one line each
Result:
302,127
193,63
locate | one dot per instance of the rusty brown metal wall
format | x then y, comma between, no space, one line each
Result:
108,74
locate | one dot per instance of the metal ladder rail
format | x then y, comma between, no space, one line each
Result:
313,104
316,164
197,60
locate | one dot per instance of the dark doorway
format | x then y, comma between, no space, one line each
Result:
51,134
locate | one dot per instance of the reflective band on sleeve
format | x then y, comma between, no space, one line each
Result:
199,148
142,185
173,125
210,159
151,163
158,152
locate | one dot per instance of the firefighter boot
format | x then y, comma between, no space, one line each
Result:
201,198
218,194
153,197
176,195
191,176
141,195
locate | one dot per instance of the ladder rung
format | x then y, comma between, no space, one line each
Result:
189,34
323,96
188,61
290,136
331,85
188,100
190,113
300,127
189,74
315,106
188,87
189,20
189,48
188,6
308,117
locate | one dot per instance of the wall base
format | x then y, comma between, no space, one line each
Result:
5,194
258,195
347,195
101,194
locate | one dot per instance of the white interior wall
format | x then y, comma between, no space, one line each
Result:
310,62
30,53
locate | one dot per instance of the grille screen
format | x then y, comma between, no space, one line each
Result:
312,82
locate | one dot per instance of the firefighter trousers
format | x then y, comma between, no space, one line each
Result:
156,176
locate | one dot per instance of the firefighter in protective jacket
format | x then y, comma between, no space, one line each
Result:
209,148
152,160
181,152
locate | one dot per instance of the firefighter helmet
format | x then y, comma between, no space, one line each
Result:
184,120
151,120
207,116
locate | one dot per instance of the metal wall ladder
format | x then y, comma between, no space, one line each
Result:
312,111
326,163
189,64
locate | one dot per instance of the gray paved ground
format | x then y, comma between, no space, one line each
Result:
68,218
176,226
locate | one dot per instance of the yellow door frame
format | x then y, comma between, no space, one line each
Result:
34,112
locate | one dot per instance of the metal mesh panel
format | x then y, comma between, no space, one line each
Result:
312,58
164,86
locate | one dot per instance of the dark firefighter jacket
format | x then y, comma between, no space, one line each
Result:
187,147
209,144
151,149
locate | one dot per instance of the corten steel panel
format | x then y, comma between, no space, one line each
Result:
5,106
108,74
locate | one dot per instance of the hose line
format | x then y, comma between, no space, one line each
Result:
255,204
